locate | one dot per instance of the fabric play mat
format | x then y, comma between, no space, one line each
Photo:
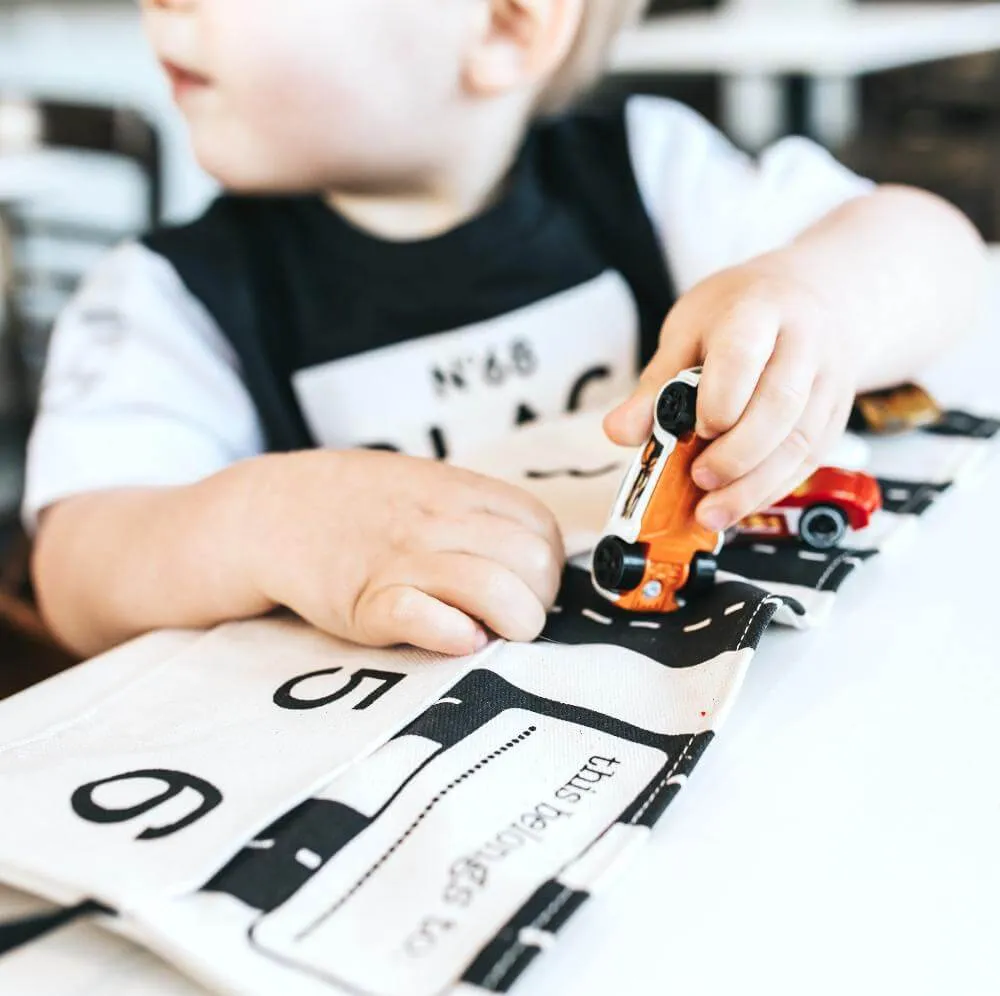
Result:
271,810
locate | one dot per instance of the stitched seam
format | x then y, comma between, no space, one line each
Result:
421,816
506,961
828,573
771,600
666,778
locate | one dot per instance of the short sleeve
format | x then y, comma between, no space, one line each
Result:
714,206
141,389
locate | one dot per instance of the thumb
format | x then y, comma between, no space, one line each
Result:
632,421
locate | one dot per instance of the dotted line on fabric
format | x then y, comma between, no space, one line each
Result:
421,816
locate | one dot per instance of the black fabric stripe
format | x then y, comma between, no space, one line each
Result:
17,933
918,499
663,637
484,971
264,878
650,805
787,565
963,424
551,905
498,966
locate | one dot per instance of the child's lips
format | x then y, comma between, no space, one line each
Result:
184,80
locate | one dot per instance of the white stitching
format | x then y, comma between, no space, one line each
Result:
666,778
770,600
506,961
828,573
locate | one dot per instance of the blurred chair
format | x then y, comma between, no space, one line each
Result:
75,179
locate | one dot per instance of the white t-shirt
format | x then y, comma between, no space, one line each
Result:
421,347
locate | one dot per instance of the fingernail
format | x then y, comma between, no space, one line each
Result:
481,640
715,518
705,478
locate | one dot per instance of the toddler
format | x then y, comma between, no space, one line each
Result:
420,247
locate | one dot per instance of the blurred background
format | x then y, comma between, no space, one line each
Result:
91,150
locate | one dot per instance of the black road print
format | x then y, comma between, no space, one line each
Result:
279,862
732,616
174,783
959,423
789,562
909,497
17,933
502,962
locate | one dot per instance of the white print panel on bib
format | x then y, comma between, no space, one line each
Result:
434,395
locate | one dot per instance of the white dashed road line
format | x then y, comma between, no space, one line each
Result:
820,558
590,614
260,845
309,859
643,624
764,548
531,937
735,608
695,627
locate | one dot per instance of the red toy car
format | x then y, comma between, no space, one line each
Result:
819,511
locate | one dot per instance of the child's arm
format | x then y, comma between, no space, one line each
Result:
375,547
863,298
155,508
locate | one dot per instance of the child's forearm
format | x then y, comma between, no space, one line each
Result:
112,565
902,271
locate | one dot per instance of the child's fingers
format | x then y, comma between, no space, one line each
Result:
736,355
771,416
481,588
499,498
632,421
725,507
534,558
401,614
789,484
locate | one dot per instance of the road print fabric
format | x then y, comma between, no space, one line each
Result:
272,810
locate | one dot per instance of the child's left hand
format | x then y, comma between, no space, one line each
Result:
776,391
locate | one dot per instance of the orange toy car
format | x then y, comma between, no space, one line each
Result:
653,551
819,511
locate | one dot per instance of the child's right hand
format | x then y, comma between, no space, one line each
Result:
384,549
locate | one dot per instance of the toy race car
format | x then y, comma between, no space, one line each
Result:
653,552
896,409
820,511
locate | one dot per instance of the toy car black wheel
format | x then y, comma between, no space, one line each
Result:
701,577
822,526
675,409
619,566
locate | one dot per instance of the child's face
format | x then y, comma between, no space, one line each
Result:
304,94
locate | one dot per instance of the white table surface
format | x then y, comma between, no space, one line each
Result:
842,42
842,833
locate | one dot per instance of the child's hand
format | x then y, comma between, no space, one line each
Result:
385,549
776,391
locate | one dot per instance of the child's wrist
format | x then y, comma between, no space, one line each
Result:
244,537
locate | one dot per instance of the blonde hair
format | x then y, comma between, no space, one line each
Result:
600,25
